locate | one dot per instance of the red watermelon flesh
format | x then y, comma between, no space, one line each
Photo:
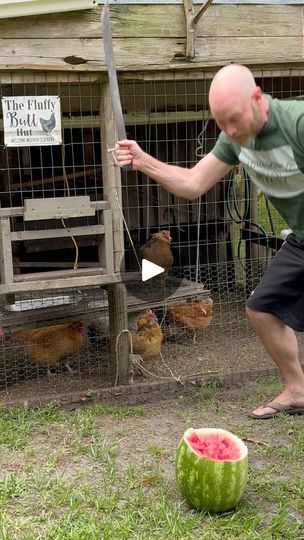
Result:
215,446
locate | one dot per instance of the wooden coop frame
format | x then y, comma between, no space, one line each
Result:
56,208
199,39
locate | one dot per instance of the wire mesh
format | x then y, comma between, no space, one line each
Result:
223,241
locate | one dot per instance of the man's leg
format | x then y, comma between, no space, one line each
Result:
281,344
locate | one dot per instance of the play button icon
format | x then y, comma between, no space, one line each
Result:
148,285
150,270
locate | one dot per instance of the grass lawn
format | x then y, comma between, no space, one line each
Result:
107,472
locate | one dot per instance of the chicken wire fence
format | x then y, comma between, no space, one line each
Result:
58,341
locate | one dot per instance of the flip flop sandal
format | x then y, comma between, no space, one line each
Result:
278,408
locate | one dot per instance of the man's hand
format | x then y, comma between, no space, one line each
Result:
129,153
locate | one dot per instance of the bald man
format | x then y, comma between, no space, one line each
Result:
267,136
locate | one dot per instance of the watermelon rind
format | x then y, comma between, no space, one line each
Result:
209,484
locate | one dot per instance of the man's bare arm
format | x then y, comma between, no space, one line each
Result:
183,182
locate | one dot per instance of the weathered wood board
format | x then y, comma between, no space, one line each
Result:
153,37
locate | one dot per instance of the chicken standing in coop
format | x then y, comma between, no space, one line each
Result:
193,316
158,250
50,345
148,337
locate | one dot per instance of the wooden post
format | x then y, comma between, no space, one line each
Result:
111,178
119,342
6,255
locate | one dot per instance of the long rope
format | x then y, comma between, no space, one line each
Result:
148,194
197,265
127,228
135,362
126,331
75,267
199,153
145,371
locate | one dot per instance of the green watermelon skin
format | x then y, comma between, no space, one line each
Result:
208,484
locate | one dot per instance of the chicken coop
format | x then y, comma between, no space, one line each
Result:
72,224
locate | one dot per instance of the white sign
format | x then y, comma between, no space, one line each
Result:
31,120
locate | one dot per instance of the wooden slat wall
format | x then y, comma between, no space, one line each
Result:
152,37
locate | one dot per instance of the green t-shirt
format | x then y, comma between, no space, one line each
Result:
274,160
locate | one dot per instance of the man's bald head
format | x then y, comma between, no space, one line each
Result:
237,103
231,83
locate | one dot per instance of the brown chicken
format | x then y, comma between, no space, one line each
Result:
158,250
49,345
148,337
194,315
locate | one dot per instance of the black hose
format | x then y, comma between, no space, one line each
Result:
242,218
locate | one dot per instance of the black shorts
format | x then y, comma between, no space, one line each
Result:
281,289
